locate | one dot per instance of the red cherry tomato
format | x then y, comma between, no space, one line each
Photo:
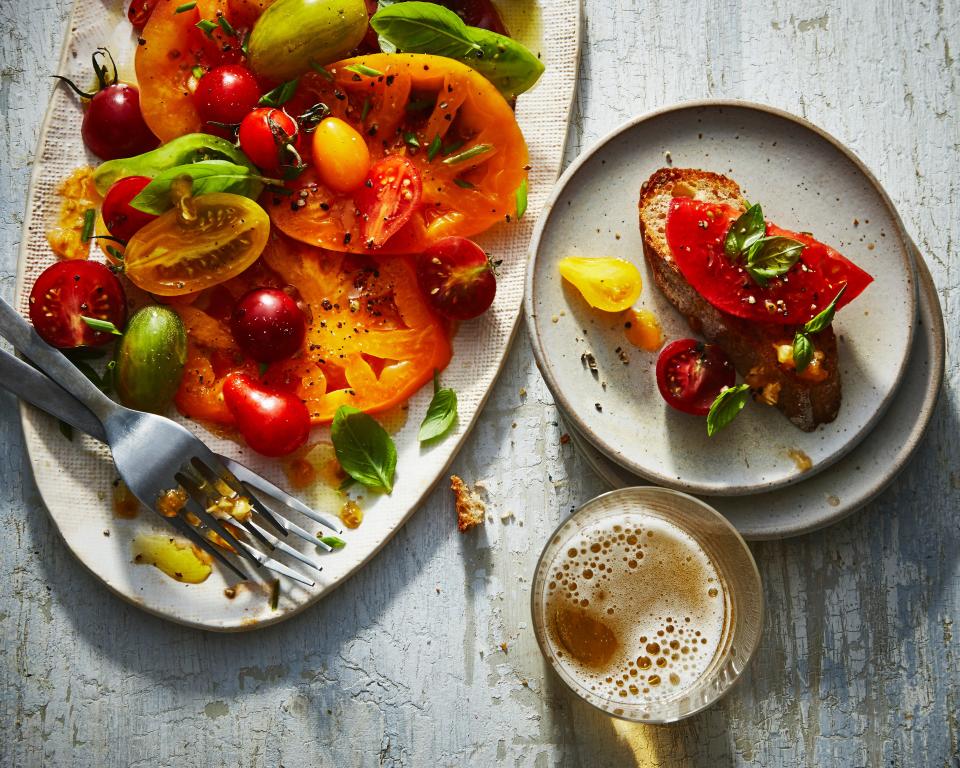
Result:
272,421
456,278
268,325
70,290
266,135
226,95
690,375
388,198
122,219
113,126
139,13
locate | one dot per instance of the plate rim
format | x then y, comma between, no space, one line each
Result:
532,317
26,411
926,410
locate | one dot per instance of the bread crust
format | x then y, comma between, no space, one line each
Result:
750,345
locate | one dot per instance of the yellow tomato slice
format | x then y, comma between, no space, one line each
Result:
176,254
608,284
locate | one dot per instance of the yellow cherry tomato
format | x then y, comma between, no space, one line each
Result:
206,240
340,155
608,284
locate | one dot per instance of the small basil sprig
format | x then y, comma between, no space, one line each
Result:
364,449
418,27
803,349
441,413
207,177
745,231
726,407
191,148
763,257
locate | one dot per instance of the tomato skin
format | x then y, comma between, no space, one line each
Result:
389,197
268,325
139,13
226,94
68,289
456,278
113,125
122,220
340,155
265,135
273,422
691,373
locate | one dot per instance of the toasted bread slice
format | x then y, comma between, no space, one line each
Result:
750,345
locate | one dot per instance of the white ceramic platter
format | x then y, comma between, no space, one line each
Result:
805,181
75,479
858,477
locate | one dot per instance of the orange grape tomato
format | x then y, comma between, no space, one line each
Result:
445,118
371,341
340,155
176,255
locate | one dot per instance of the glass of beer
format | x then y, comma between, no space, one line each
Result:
648,604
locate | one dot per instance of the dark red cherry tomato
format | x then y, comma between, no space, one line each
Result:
691,373
266,135
139,13
457,278
68,291
388,199
113,126
268,325
226,95
272,421
123,220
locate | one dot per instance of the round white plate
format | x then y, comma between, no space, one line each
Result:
805,181
858,477
75,478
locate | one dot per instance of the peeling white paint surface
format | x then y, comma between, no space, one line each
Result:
427,657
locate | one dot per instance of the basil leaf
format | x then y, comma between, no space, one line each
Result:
745,231
441,413
726,407
771,257
521,199
191,148
802,351
208,176
418,27
364,449
822,320
279,95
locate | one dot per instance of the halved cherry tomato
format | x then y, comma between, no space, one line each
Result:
272,421
690,375
68,291
220,236
388,199
444,117
121,219
139,13
607,284
456,277
267,136
695,233
371,342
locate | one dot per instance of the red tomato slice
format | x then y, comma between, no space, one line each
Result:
388,199
696,233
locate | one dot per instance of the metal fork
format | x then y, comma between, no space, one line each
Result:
154,455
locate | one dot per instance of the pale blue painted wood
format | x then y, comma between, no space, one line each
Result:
860,662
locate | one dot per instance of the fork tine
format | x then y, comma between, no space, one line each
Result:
205,544
220,473
275,565
195,506
292,527
250,478
284,547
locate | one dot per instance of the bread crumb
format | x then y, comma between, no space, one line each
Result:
470,507
564,438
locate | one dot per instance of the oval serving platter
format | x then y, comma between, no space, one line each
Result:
858,477
75,479
805,180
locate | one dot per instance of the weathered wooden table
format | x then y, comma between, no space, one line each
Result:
427,657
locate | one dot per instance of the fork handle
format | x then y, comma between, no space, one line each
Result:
15,329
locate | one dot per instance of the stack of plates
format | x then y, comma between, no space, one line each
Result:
754,472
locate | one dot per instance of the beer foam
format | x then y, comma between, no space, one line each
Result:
635,609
